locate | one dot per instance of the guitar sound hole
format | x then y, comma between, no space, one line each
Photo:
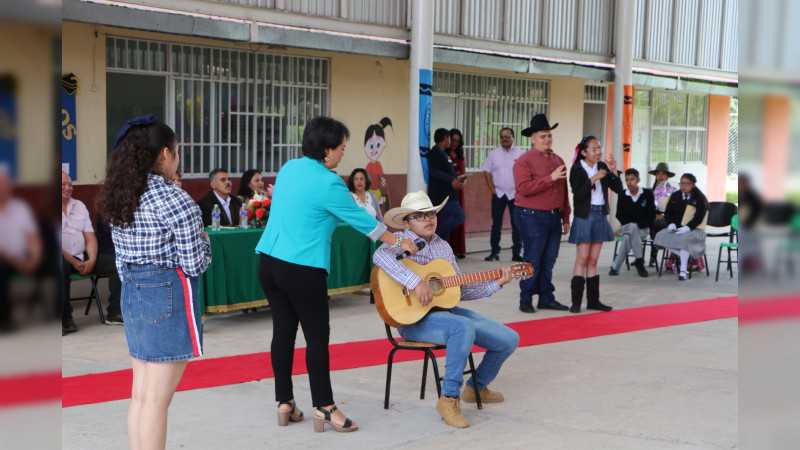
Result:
435,284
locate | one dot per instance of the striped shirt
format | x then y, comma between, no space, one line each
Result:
385,258
167,231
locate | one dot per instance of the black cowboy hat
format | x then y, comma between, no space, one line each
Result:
538,123
663,167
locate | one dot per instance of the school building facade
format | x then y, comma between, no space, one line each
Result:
238,79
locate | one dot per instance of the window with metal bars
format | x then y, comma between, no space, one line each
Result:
230,108
486,104
678,126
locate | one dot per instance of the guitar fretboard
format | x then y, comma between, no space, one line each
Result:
470,278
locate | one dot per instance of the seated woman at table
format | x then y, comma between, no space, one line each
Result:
357,183
250,185
682,235
308,201
161,250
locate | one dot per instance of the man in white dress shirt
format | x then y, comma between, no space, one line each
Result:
498,171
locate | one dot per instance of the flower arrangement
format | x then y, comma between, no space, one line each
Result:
258,208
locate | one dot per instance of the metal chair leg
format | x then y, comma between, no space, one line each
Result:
389,377
719,256
436,375
475,381
424,376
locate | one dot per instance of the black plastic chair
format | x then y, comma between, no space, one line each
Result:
428,348
720,215
646,242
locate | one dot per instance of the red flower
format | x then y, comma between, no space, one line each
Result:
266,202
249,213
260,213
255,203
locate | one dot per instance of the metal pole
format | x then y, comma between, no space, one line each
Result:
420,92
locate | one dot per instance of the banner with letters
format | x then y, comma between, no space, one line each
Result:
69,125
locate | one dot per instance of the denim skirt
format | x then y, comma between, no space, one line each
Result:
161,312
594,228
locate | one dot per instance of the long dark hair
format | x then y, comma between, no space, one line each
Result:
460,148
582,145
127,169
351,184
244,190
377,128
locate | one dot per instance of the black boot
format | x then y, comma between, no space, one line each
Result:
593,294
577,293
639,264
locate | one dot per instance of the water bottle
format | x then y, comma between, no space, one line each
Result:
215,214
243,216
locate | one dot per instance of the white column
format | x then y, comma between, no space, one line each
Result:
420,92
623,72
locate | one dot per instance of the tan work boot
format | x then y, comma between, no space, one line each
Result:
487,396
450,410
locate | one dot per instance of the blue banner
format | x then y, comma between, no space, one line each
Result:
69,143
425,107
8,132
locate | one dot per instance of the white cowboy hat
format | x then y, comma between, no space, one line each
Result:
412,202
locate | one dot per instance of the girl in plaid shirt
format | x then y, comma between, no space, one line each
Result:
161,250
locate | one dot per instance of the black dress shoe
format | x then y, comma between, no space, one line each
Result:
516,258
526,308
492,257
639,264
599,307
461,256
115,319
613,272
68,325
554,306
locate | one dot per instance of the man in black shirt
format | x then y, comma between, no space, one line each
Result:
636,212
443,184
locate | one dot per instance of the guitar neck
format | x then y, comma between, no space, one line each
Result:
469,278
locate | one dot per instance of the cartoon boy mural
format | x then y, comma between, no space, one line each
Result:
374,145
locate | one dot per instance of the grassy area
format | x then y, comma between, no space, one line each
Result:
732,196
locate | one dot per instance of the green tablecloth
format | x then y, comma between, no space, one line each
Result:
231,282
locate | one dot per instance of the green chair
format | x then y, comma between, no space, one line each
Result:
92,295
730,246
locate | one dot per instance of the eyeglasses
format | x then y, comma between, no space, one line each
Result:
506,136
430,215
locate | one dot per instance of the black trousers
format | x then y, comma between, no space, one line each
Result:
298,295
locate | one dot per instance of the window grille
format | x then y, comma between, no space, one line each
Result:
594,93
678,127
486,104
231,108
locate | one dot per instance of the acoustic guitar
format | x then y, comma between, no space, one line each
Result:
399,306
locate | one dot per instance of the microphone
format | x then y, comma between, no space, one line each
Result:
420,245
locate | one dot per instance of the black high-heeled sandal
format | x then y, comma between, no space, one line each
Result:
319,422
284,417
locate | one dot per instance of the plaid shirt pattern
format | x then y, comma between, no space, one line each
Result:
386,259
167,231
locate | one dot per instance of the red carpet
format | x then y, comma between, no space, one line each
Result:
205,373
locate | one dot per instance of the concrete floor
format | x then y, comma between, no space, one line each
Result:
674,387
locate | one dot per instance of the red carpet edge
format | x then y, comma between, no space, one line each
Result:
212,372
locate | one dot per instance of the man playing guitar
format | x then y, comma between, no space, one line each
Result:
458,328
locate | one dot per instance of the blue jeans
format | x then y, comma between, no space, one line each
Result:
452,216
499,205
460,328
541,235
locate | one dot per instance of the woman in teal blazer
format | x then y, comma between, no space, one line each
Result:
307,203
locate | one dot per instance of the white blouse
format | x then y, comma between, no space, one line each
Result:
597,192
366,205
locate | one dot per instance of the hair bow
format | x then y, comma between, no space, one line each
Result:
147,119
